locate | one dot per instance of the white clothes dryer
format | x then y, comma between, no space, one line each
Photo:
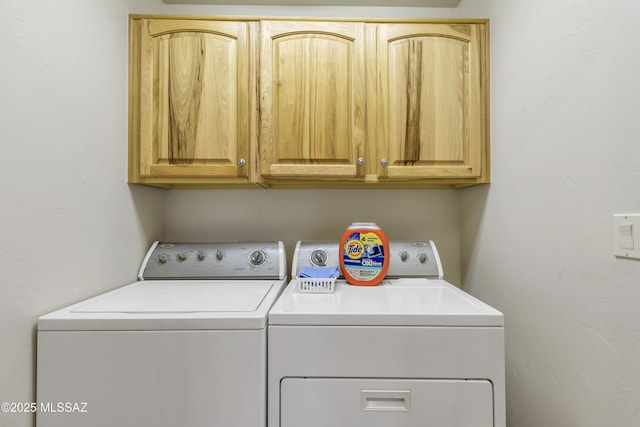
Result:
412,351
183,346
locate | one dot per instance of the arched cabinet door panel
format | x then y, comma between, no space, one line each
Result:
194,85
433,100
312,99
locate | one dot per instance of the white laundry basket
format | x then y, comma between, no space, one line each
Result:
321,285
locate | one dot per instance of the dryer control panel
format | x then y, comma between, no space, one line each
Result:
214,260
407,258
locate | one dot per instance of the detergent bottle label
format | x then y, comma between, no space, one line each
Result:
363,256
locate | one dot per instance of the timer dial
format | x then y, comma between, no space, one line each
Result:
319,257
257,257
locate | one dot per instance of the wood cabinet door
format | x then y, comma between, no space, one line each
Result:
433,101
312,99
194,87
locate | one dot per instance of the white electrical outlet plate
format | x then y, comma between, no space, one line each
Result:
626,235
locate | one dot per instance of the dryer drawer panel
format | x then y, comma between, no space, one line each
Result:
348,402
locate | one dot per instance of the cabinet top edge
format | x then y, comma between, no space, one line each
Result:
248,18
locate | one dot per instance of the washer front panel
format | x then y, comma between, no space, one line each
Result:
153,378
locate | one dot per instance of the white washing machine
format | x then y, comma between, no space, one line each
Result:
412,351
184,346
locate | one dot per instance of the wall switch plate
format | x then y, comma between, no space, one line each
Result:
626,235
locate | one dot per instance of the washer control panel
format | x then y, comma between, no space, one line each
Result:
407,258
214,260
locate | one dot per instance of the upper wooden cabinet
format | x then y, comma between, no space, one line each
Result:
304,102
432,101
312,99
190,96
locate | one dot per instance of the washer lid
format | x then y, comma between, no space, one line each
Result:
192,296
171,305
396,302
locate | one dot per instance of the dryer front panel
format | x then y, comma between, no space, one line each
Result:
358,402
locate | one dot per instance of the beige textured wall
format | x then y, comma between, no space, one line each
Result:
70,227
538,242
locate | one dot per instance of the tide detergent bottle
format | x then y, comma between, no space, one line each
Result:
364,257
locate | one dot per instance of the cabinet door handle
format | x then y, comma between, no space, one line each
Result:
241,162
384,163
360,161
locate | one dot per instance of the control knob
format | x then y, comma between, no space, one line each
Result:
257,257
318,257
422,257
182,256
163,258
202,255
404,255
